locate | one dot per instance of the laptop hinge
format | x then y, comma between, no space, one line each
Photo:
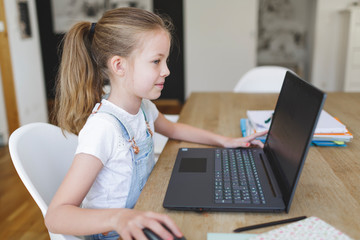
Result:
276,171
268,176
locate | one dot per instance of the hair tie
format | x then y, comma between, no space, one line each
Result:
92,31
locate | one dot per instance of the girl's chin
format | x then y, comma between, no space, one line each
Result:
154,96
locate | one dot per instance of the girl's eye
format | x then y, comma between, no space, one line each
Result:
156,61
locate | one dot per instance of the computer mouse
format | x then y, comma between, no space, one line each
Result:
153,236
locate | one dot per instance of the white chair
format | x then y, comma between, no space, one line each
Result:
263,79
42,156
160,140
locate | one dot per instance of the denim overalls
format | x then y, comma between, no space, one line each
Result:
143,160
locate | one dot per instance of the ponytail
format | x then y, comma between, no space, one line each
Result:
79,84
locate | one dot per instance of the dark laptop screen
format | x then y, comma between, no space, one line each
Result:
293,124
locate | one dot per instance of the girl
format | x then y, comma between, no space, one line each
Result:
129,47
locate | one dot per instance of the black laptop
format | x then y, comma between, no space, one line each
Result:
251,179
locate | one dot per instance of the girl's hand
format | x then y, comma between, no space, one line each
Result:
244,141
129,223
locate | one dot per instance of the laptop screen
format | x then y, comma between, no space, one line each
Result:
293,124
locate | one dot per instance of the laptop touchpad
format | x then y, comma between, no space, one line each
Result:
193,165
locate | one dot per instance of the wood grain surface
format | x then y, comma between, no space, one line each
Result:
329,186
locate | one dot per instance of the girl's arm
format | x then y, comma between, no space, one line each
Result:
189,133
65,216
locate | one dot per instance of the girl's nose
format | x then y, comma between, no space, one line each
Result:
165,71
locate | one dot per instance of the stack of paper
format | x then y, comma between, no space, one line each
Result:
329,130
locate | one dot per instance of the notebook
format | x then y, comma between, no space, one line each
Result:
310,228
251,179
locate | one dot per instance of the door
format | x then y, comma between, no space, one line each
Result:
7,79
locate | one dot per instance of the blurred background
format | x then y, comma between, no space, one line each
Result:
217,43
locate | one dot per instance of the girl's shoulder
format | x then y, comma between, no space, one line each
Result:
101,138
102,134
101,119
99,124
106,122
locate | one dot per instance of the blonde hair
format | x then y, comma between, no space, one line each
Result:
83,67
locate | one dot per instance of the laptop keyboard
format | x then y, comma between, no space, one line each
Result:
236,177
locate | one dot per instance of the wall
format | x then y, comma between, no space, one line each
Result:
285,28
216,54
3,121
327,62
220,43
68,12
27,65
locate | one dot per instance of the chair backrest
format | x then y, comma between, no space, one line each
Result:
262,79
42,155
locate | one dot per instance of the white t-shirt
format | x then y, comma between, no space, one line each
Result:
102,138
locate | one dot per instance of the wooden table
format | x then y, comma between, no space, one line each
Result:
329,186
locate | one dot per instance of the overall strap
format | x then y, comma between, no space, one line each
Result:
146,121
100,108
142,109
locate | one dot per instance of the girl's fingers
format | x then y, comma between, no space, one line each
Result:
125,236
258,143
138,233
245,144
258,134
160,224
158,229
166,220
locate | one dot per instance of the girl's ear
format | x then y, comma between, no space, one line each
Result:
117,65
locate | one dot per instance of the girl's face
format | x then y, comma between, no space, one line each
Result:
149,66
